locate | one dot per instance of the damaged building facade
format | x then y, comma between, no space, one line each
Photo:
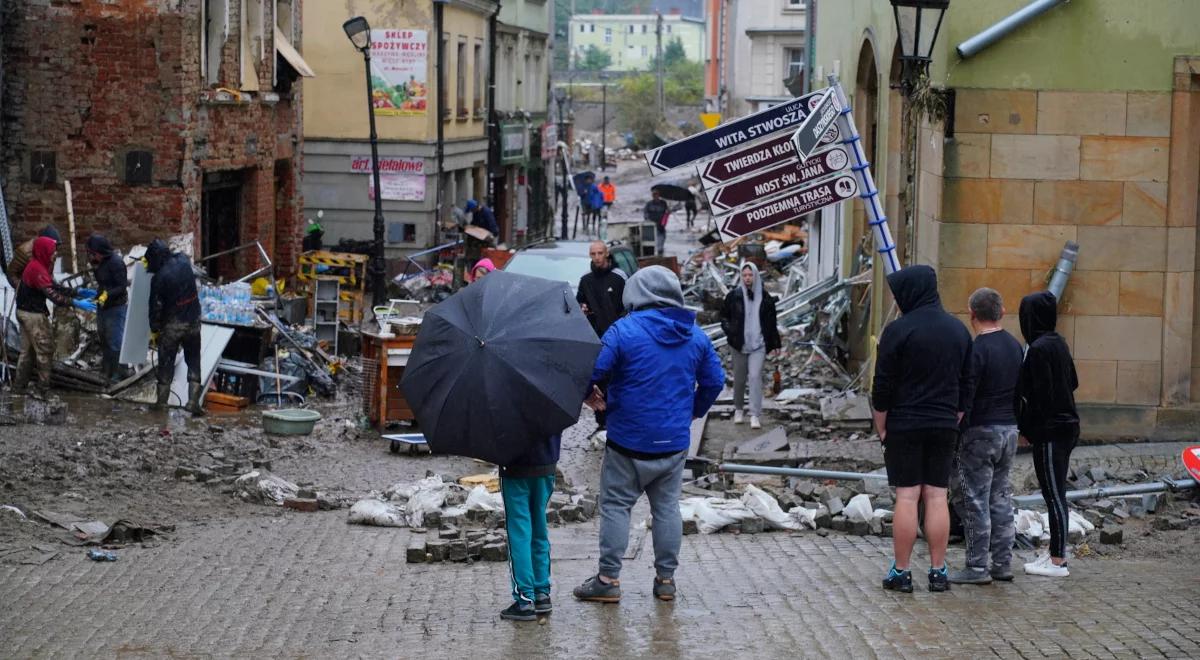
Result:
166,118
1101,147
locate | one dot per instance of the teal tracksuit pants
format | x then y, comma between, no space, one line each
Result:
525,501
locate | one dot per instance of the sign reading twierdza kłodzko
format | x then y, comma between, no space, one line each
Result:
781,178
701,146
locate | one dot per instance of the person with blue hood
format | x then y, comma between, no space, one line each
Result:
174,321
112,284
922,370
482,216
1047,419
662,373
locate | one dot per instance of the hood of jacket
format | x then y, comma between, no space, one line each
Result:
668,326
1039,315
156,255
914,287
43,251
652,286
755,290
99,244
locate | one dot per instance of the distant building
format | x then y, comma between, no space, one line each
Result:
631,39
765,47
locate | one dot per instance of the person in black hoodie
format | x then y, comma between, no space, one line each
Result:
1047,419
112,284
526,484
599,296
921,370
175,320
751,327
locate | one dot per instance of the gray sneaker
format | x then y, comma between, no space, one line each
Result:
1002,573
971,575
664,588
598,592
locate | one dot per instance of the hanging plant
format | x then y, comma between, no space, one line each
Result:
927,101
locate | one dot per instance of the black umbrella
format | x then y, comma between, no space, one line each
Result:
580,180
500,365
674,192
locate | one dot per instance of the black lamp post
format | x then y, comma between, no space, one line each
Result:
917,23
359,32
604,121
560,97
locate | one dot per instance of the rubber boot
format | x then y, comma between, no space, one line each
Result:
162,396
195,390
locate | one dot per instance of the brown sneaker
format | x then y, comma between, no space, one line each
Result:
664,588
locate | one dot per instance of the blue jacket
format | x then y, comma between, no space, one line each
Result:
538,461
662,372
595,198
483,217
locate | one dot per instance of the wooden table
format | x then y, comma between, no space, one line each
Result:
386,403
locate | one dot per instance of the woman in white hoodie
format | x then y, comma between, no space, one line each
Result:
751,327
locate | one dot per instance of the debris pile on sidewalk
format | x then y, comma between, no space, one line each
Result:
768,506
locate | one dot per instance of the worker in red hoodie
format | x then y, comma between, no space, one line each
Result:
37,340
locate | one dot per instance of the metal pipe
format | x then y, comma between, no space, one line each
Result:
798,472
1062,270
866,183
1131,489
1001,29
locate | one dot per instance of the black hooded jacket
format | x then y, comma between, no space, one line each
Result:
1045,396
173,295
601,290
924,357
110,272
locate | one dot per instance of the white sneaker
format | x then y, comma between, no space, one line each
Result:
738,418
1042,559
754,423
1047,569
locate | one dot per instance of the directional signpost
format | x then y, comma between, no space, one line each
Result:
789,207
729,135
779,179
807,138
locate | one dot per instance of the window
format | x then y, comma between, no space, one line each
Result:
284,20
479,76
591,27
251,43
645,51
645,28
795,61
630,29
582,27
215,19
42,167
608,35
461,86
539,87
668,29
528,84
795,4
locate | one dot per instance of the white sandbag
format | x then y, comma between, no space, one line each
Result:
764,506
804,517
429,496
1029,524
479,499
713,514
377,513
858,509
265,488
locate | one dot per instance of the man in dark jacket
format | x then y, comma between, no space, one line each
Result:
599,296
751,327
663,373
1047,419
657,212
526,484
482,216
112,285
37,286
920,372
175,320
988,445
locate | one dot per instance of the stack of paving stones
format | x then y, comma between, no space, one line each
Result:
829,502
1164,511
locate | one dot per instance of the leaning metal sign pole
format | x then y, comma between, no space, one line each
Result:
866,183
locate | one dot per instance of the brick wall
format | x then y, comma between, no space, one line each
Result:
91,80
1029,170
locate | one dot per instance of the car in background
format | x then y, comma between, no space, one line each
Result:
565,261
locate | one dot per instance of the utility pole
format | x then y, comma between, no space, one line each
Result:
658,51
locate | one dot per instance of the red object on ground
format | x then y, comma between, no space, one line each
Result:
1191,461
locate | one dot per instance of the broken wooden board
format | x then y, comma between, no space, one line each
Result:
487,480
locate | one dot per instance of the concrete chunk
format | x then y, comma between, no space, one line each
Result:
1112,536
416,552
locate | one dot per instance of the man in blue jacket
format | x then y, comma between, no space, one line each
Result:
662,373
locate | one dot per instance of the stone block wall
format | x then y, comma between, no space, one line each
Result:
1029,170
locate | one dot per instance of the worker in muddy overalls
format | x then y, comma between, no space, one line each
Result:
174,321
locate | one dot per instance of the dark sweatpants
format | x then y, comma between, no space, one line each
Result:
1051,461
173,337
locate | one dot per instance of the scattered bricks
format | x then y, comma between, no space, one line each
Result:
452,520
433,519
475,549
840,524
437,550
840,492
1134,504
1093,516
552,516
835,505
559,500
824,519
810,505
476,535
204,475
1120,513
495,519
1105,506
822,533
1112,536
1097,474
1075,536
497,551
449,532
477,515
805,489
887,530
327,503
860,527
307,504
884,502
1083,481
261,465
587,504
1151,502
691,527
876,487
753,526
570,513
416,552
458,551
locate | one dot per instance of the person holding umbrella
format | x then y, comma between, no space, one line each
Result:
657,212
663,373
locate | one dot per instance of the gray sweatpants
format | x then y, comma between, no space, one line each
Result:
748,366
622,482
985,456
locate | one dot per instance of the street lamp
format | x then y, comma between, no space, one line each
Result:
917,23
359,33
560,97
604,121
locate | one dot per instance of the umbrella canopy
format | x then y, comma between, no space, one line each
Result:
674,192
580,181
500,365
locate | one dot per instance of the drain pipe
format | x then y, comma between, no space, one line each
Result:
1004,27
1114,491
798,472
1062,270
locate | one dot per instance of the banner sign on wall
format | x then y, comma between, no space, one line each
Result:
388,165
400,72
398,187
